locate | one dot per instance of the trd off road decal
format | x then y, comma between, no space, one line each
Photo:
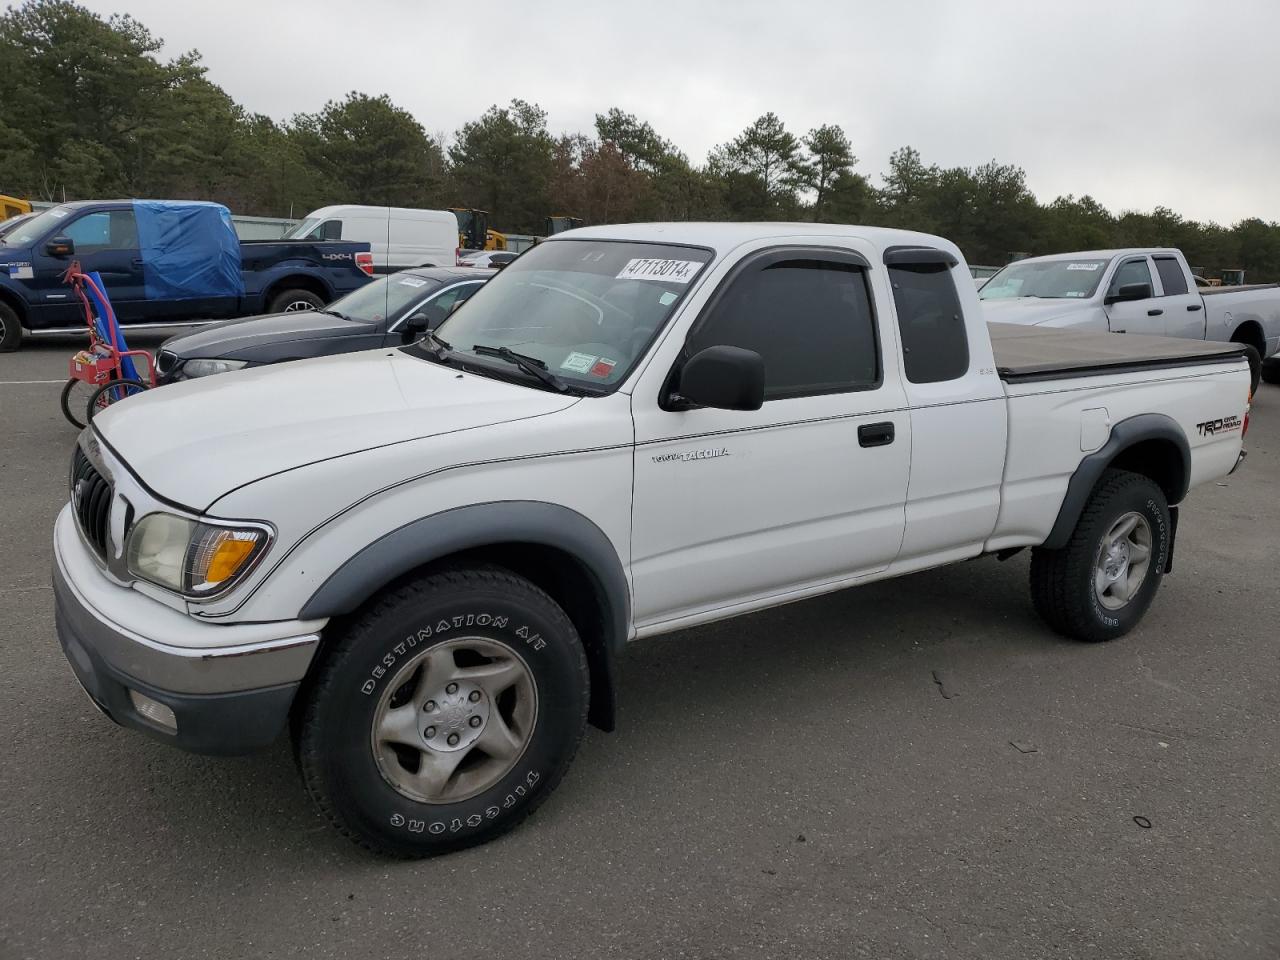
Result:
1212,428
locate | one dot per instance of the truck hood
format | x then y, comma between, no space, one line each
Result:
231,338
1031,310
195,441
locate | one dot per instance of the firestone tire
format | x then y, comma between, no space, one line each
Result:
1090,589
365,768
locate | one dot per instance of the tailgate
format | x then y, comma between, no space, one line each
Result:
1025,354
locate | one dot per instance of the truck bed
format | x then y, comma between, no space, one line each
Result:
1026,353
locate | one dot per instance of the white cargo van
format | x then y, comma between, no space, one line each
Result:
399,237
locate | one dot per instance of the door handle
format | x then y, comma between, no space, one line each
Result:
875,434
1154,313
136,261
1194,307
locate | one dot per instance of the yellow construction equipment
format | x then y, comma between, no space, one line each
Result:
13,207
474,232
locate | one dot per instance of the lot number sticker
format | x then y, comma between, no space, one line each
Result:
1083,266
579,362
664,271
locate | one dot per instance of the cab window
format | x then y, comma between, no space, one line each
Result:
810,318
1129,272
103,230
1171,276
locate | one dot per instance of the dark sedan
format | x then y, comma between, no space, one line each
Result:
395,309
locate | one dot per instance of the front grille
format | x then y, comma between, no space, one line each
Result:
91,501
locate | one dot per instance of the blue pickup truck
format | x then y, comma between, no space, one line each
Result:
164,262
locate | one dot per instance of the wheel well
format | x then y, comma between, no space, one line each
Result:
1158,460
298,282
13,301
567,580
1250,332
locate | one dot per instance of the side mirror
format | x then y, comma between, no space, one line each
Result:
1131,291
722,377
60,247
417,325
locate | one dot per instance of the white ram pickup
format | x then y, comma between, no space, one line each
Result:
1145,291
425,561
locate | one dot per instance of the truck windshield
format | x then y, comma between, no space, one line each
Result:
35,228
1050,279
588,309
384,297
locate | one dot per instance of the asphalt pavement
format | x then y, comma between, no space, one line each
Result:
916,768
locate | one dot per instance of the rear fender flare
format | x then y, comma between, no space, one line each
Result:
1125,434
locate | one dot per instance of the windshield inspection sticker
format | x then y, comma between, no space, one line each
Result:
602,367
20,271
1083,266
579,362
664,271
667,298
413,282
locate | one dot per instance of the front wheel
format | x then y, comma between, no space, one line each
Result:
444,714
110,393
1100,584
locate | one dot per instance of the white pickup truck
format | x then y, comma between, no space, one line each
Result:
425,561
1147,291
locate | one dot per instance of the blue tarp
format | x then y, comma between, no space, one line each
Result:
189,250
108,329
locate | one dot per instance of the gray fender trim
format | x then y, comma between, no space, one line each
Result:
480,525
1126,433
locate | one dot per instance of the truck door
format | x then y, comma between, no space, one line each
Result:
105,241
1183,307
733,505
958,414
1146,315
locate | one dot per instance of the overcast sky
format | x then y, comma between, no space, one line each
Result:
1140,104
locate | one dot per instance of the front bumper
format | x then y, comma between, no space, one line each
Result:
229,687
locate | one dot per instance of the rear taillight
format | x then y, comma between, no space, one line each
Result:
457,257
365,262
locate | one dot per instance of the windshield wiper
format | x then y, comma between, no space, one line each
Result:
340,316
437,347
530,365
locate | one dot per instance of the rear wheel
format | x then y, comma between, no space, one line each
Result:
444,714
1100,584
295,300
10,329
110,393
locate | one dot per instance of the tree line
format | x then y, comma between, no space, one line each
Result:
92,110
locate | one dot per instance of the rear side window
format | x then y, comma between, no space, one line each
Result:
1171,276
811,321
935,343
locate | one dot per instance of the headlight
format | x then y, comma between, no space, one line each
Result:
205,368
193,558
